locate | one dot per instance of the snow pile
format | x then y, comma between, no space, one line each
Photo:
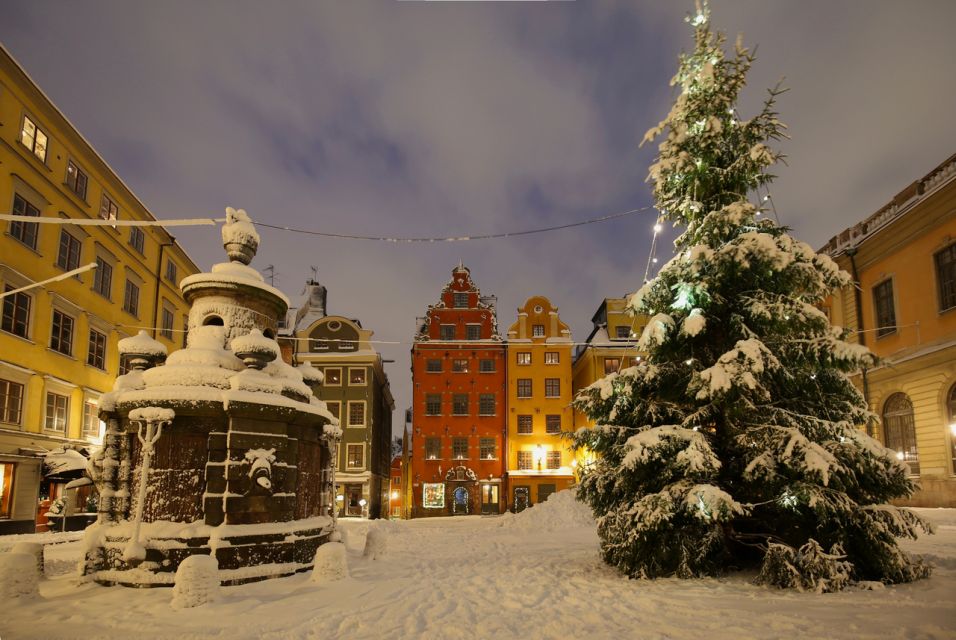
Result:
142,344
375,543
152,414
239,229
256,343
310,375
561,511
197,582
330,563
34,549
19,577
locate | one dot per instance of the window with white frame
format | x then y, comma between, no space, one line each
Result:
166,327
68,254
487,448
76,179
16,313
524,387
461,300
537,331
356,376
96,351
525,460
108,209
355,456
137,239
34,139
131,298
524,357
459,366
335,408
552,424
525,426
61,333
57,412
103,277
333,377
473,332
356,413
552,357
92,425
11,402
553,459
552,387
25,232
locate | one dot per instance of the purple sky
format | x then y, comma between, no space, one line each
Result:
420,119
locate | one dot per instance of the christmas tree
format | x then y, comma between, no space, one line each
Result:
735,443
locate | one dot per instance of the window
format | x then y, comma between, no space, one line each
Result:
946,277
76,180
524,425
108,209
96,354
552,387
11,402
611,365
433,366
131,298
123,365
537,331
554,459
61,334
137,239
486,366
459,366
172,272
552,357
487,448
68,255
185,331
333,377
167,323
447,332
622,332
6,488
459,403
356,376
433,404
357,413
461,300
524,460
552,424
459,448
432,448
474,331
524,387
899,430
16,314
25,232
883,305
33,138
636,360
486,404
951,405
524,357
103,277
433,495
57,412
355,456
335,408
92,427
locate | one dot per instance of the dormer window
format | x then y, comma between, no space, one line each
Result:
461,301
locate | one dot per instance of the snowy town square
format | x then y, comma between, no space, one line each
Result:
472,320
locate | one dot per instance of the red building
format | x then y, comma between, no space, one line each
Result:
458,375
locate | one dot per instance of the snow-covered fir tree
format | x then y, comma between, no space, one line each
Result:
735,443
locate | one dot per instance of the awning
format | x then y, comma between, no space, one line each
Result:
63,465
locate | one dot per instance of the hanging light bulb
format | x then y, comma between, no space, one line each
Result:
657,228
654,260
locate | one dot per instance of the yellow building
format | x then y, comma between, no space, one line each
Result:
539,398
611,346
58,342
903,307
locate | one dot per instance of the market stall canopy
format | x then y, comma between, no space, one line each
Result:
63,464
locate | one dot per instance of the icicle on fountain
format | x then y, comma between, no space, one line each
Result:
220,450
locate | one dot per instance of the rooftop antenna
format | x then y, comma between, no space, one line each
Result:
270,272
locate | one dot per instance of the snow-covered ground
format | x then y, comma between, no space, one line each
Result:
534,575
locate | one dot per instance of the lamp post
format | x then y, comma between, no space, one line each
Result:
150,427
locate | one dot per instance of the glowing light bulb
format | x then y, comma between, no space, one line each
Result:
730,111
689,361
654,260
952,429
766,197
759,212
900,455
658,228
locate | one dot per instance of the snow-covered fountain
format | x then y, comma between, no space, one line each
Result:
222,449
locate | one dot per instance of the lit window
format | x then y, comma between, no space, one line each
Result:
486,404
433,495
57,412
92,426
25,232
433,404
432,448
6,488
524,425
76,179
885,311
622,332
487,448
61,333
611,365
524,357
524,387
552,424
355,456
34,139
131,298
11,402
333,377
357,414
552,357
552,387
461,300
356,375
16,313
524,460
899,430
68,255
537,331
459,366
459,448
96,354
108,208
554,460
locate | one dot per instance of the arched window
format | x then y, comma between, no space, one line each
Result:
213,320
951,427
899,430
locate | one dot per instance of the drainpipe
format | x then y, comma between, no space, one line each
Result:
159,286
851,253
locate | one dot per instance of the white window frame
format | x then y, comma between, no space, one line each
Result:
348,414
326,374
364,381
349,467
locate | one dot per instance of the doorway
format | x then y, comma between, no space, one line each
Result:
459,501
353,496
489,499
522,498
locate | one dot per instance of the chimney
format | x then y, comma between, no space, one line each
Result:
317,297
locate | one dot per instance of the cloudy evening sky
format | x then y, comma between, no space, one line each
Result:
428,118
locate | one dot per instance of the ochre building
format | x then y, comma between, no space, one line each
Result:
903,307
539,404
458,411
58,342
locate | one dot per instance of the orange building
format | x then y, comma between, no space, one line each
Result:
903,307
539,404
458,410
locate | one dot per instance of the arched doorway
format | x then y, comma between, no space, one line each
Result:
463,487
899,430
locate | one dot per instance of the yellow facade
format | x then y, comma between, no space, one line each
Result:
51,372
539,404
904,261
